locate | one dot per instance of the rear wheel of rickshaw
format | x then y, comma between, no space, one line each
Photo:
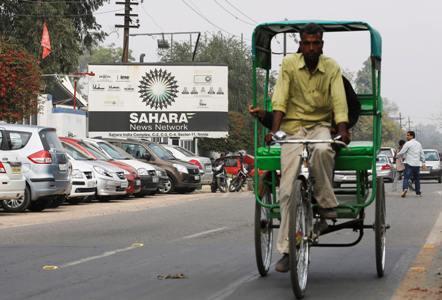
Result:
299,246
263,234
380,227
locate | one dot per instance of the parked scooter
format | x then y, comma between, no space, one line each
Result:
219,181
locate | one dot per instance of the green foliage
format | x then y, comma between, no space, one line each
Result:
363,130
71,24
19,82
103,55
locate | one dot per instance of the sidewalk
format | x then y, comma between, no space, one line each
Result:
424,278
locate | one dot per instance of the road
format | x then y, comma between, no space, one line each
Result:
128,249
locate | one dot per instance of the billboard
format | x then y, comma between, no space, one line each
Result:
141,100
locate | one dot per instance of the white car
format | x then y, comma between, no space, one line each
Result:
203,163
84,182
148,173
12,181
111,180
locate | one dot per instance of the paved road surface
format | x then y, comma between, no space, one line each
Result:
124,253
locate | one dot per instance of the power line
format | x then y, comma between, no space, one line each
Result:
233,15
204,17
67,16
150,16
238,10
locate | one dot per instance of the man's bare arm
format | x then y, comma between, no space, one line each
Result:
277,119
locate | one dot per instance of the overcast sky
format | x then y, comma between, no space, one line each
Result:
411,32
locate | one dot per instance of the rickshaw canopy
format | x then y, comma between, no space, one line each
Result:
264,32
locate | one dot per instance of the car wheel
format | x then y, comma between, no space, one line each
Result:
168,187
18,205
39,204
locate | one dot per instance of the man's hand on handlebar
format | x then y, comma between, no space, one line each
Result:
269,138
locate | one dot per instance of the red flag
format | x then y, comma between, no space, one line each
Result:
45,42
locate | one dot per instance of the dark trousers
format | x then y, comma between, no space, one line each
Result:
412,172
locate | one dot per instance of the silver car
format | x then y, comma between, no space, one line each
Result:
12,187
203,163
111,180
45,165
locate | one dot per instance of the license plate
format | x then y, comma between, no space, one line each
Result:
16,170
425,172
197,177
63,167
209,168
124,184
90,184
137,182
350,177
155,179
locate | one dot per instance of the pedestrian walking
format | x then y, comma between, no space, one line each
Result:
412,155
399,166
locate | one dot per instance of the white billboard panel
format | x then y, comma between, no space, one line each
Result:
139,100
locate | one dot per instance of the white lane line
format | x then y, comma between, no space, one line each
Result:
83,260
201,233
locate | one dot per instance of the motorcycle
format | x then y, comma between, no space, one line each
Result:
219,180
239,180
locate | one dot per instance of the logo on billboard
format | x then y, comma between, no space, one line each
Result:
158,89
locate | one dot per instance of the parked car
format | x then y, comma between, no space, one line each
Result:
203,163
147,172
84,183
110,179
133,179
12,187
432,161
183,177
45,166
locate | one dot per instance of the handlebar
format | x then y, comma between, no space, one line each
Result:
280,136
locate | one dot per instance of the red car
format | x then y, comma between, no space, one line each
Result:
132,176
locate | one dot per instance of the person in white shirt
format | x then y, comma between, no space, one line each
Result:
412,157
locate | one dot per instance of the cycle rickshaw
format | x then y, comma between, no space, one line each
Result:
359,157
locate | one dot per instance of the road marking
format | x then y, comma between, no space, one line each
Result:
231,288
201,233
83,260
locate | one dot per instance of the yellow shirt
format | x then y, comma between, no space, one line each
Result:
309,99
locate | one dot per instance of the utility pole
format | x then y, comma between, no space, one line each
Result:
127,21
409,123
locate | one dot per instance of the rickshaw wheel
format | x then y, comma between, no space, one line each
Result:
263,234
380,227
299,246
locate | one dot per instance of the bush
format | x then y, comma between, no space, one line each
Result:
20,81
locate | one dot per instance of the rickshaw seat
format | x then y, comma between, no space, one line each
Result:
356,156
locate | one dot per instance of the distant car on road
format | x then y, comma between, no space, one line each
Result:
432,161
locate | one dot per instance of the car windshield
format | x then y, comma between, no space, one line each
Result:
386,152
75,153
184,151
382,159
431,155
161,152
114,152
95,152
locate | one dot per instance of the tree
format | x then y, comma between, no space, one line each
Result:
102,55
363,130
19,82
72,28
